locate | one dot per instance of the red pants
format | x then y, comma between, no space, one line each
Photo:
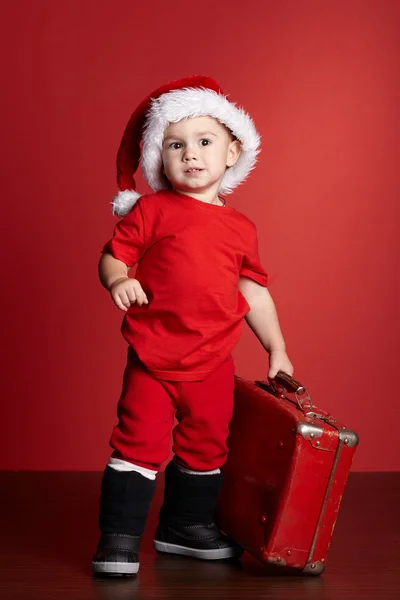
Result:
146,412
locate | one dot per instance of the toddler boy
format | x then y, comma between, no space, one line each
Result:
198,276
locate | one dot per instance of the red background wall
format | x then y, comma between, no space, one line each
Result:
321,80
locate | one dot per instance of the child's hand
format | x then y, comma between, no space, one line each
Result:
279,361
126,291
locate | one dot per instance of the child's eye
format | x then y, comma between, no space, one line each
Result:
177,145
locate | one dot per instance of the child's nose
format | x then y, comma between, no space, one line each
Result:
189,153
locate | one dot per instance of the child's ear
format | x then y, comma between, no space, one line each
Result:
234,151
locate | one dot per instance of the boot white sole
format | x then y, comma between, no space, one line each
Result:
115,568
215,554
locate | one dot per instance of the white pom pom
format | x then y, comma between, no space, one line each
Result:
124,201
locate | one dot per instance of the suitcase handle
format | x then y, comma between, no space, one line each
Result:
288,382
291,385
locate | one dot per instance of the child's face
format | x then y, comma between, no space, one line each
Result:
202,143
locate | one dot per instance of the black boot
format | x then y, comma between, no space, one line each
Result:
124,505
186,521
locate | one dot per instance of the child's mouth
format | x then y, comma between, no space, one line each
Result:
193,171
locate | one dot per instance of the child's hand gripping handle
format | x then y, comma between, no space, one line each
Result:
283,381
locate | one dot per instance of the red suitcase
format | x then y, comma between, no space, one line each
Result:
285,474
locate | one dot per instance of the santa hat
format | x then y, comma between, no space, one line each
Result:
193,96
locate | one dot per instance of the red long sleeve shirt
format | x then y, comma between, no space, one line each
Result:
190,257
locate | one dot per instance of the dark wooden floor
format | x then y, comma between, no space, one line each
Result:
49,532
